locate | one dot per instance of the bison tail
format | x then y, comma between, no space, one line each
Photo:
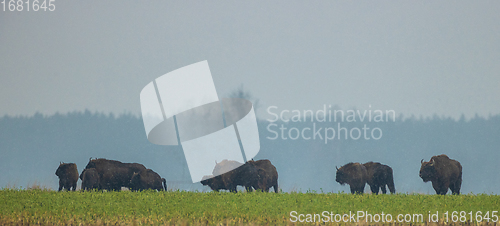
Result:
275,185
458,183
390,183
164,183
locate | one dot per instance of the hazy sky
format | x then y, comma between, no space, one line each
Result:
413,57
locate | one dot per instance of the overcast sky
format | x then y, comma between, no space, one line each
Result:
414,57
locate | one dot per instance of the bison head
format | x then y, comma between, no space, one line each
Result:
62,169
215,183
341,176
427,170
206,179
91,164
81,175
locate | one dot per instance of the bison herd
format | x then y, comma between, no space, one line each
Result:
442,171
372,173
103,174
111,175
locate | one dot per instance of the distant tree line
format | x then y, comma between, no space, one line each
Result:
32,147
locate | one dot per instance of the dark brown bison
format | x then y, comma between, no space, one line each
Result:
215,183
379,175
355,175
147,179
268,175
113,175
68,176
246,175
90,179
444,173
261,175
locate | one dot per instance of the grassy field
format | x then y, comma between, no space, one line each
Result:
42,207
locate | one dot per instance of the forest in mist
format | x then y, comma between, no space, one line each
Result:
32,147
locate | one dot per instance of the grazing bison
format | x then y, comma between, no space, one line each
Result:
379,176
353,174
113,175
68,176
267,175
90,179
246,175
444,173
215,183
253,174
147,179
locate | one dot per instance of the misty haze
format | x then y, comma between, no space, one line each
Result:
32,148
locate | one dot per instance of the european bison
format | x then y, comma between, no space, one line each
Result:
443,172
215,183
90,179
147,179
379,175
268,175
246,175
68,176
227,175
113,175
253,174
353,174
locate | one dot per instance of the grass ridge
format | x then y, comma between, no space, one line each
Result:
44,207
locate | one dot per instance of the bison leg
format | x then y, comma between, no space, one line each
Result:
353,189
384,190
359,191
444,188
60,185
275,186
440,188
390,182
67,185
458,185
356,190
374,189
74,186
391,187
164,183
452,188
248,188
455,188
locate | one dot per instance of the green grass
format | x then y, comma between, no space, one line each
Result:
42,207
